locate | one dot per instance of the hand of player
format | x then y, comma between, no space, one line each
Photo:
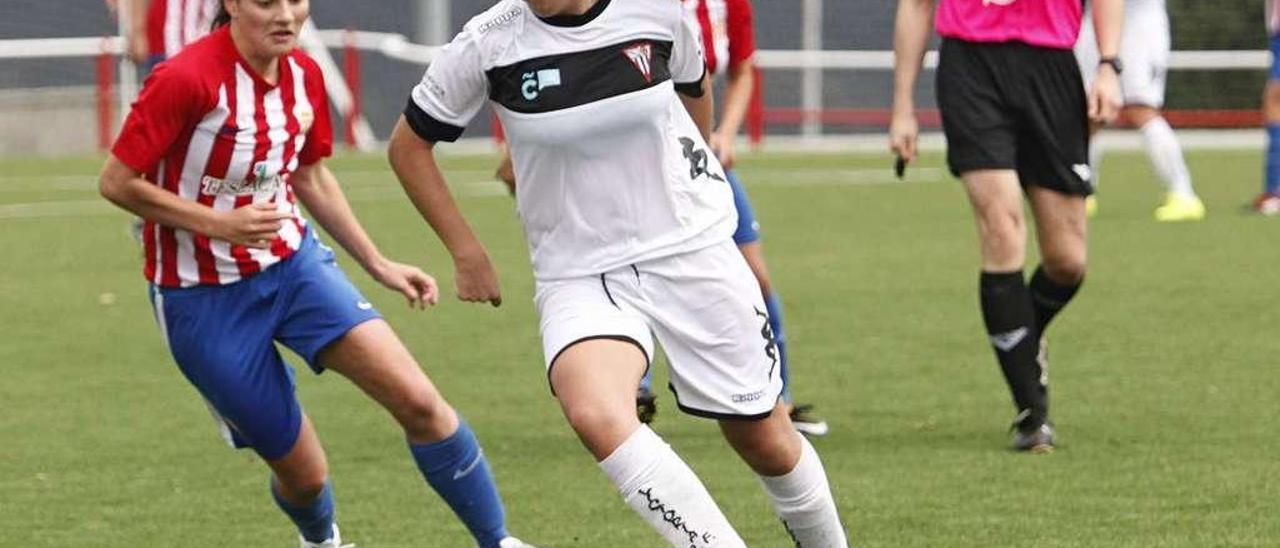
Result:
1105,100
418,287
722,146
251,226
506,171
904,130
137,48
476,280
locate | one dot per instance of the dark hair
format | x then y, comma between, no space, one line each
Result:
223,18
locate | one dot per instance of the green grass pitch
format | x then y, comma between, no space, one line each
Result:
1164,369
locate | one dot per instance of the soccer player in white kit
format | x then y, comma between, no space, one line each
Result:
1144,54
629,221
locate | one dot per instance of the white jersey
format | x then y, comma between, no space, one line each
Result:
1144,49
610,168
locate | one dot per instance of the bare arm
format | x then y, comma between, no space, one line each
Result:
138,46
126,188
318,190
1104,96
702,109
414,163
742,81
910,38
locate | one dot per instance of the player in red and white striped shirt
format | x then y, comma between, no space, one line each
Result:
225,140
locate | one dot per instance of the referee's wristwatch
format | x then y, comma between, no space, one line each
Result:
1115,63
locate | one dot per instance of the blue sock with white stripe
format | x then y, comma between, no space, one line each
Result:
457,470
774,307
1273,158
315,520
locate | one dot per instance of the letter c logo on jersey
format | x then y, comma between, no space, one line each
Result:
532,83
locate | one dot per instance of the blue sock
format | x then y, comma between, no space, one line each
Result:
314,521
1273,159
646,382
456,468
774,306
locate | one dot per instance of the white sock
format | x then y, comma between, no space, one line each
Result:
1095,161
659,486
802,498
1166,156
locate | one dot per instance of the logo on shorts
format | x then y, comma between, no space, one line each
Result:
1083,171
744,398
364,305
770,342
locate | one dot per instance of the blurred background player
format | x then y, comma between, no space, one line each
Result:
607,112
159,29
1016,119
230,135
1144,54
1268,202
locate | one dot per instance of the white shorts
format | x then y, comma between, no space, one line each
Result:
706,311
1144,50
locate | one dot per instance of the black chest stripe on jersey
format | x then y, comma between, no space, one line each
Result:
558,82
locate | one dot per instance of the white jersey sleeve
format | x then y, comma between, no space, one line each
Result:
451,92
688,66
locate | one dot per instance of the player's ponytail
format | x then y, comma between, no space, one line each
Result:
223,18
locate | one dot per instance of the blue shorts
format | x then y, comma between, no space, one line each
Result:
223,338
748,228
1275,57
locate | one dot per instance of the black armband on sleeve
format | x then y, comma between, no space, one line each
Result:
429,128
692,89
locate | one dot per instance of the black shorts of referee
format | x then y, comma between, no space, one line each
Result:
1015,106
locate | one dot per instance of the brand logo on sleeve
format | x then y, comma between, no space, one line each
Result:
641,55
532,83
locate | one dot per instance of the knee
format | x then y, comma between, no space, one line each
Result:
1004,235
425,417
303,486
1066,269
590,418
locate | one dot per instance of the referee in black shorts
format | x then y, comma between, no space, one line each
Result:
1016,117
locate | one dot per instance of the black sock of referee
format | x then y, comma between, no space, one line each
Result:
1011,325
1049,297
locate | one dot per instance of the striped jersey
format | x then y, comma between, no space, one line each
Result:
1044,23
208,128
612,169
726,30
173,24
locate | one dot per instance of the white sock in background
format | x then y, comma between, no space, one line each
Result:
802,498
659,486
1095,160
1166,156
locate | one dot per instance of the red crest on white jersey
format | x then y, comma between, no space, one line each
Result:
641,55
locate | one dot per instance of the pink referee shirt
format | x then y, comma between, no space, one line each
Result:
1044,23
209,129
